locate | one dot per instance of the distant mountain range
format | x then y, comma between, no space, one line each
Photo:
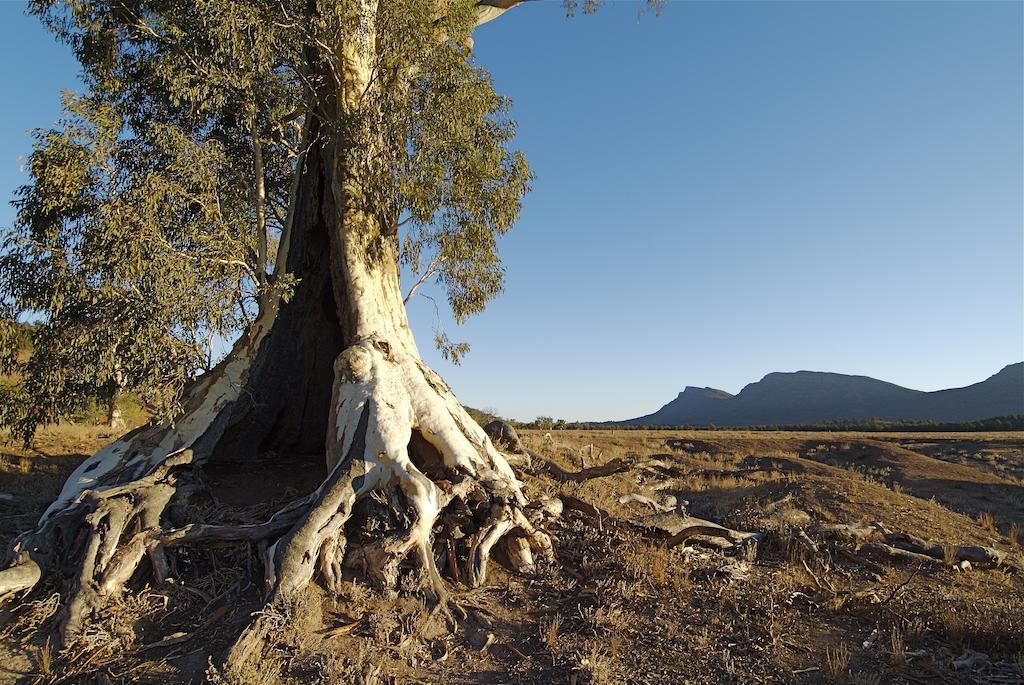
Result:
812,397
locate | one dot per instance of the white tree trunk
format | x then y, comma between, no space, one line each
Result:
382,394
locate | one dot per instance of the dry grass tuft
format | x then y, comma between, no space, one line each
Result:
837,661
864,678
15,463
46,659
986,521
549,633
897,646
596,667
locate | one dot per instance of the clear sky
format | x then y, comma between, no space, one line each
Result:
727,190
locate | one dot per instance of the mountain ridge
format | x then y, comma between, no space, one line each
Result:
808,397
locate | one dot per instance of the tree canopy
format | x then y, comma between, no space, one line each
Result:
155,205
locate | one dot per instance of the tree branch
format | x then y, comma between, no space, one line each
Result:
429,273
261,207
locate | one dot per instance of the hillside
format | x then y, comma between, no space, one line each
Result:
809,397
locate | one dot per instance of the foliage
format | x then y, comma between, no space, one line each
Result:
122,249
459,187
483,416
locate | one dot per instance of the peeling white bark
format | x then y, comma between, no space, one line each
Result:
136,450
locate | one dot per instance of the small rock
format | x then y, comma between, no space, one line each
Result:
481,639
739,570
872,639
504,435
962,566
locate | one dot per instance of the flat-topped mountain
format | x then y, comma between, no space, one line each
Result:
809,397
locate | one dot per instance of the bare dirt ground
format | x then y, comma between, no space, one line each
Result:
620,605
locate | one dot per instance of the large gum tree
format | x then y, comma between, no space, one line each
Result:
395,149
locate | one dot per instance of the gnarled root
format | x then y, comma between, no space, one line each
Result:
397,430
104,533
107,517
410,475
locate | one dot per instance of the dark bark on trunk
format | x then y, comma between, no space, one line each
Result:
285,407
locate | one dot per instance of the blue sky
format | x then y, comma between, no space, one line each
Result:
727,190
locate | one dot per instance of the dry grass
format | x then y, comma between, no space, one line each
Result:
897,646
549,634
864,678
987,522
837,662
617,606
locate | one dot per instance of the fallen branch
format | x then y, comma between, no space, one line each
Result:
805,541
671,529
972,553
880,549
642,499
610,469
693,527
824,587
897,588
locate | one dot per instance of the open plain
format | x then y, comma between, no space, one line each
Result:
828,590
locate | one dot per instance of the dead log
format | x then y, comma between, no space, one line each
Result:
681,528
882,550
975,554
610,469
673,529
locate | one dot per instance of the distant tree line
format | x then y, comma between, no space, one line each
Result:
1013,422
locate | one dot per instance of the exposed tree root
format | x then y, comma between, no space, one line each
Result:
399,436
110,513
382,396
401,442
